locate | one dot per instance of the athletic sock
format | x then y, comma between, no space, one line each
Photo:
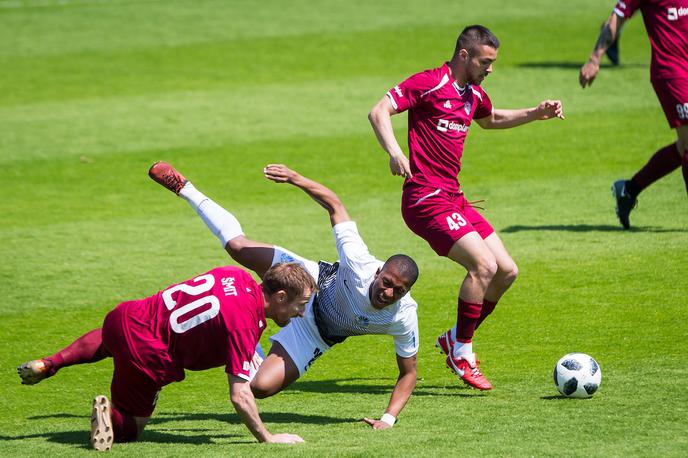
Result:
663,162
221,223
685,168
488,307
466,320
462,350
123,425
86,349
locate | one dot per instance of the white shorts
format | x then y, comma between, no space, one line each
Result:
300,338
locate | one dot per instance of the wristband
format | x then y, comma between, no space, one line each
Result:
389,419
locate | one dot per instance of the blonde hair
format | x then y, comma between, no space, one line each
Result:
291,277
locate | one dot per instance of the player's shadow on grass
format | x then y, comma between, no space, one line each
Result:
587,228
79,438
575,65
232,418
345,386
561,397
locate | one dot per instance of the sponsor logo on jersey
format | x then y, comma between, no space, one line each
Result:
674,13
443,125
397,89
246,366
467,107
447,105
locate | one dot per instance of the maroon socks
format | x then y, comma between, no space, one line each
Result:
467,320
663,162
86,349
488,307
123,425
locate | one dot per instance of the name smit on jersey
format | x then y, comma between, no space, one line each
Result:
674,13
443,125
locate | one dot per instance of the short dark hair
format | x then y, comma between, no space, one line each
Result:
405,265
473,36
291,277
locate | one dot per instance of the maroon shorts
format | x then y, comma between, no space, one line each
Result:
673,96
132,390
441,218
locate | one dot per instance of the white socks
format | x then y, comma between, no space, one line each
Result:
221,223
461,349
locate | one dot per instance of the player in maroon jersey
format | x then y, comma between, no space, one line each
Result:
666,22
215,319
442,103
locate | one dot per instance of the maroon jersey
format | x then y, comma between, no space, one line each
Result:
666,22
440,113
212,320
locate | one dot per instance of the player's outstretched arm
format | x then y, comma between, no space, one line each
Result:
380,118
608,34
245,405
406,382
321,194
504,119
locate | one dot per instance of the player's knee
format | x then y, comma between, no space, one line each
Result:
485,269
510,274
260,389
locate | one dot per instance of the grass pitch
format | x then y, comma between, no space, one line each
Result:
92,92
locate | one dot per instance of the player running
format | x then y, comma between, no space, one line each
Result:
442,103
357,295
666,22
215,319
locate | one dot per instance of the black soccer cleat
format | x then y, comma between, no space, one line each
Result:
624,202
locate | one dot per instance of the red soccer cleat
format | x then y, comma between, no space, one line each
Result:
445,342
469,373
166,175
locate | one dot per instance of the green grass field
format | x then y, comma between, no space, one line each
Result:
92,92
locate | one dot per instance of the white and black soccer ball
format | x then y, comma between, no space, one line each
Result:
577,375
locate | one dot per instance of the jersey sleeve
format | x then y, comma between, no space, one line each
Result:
406,341
626,8
407,94
484,107
241,344
352,250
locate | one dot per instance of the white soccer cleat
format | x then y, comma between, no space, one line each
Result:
102,435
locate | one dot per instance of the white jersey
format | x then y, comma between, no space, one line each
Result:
343,305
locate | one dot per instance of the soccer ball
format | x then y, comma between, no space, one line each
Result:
577,375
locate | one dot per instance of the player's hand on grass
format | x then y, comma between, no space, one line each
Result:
588,72
279,173
285,438
550,109
377,424
399,165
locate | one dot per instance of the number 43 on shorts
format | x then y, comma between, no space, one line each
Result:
455,221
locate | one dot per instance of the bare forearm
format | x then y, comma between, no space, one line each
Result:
245,405
401,393
505,119
323,196
607,36
381,122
